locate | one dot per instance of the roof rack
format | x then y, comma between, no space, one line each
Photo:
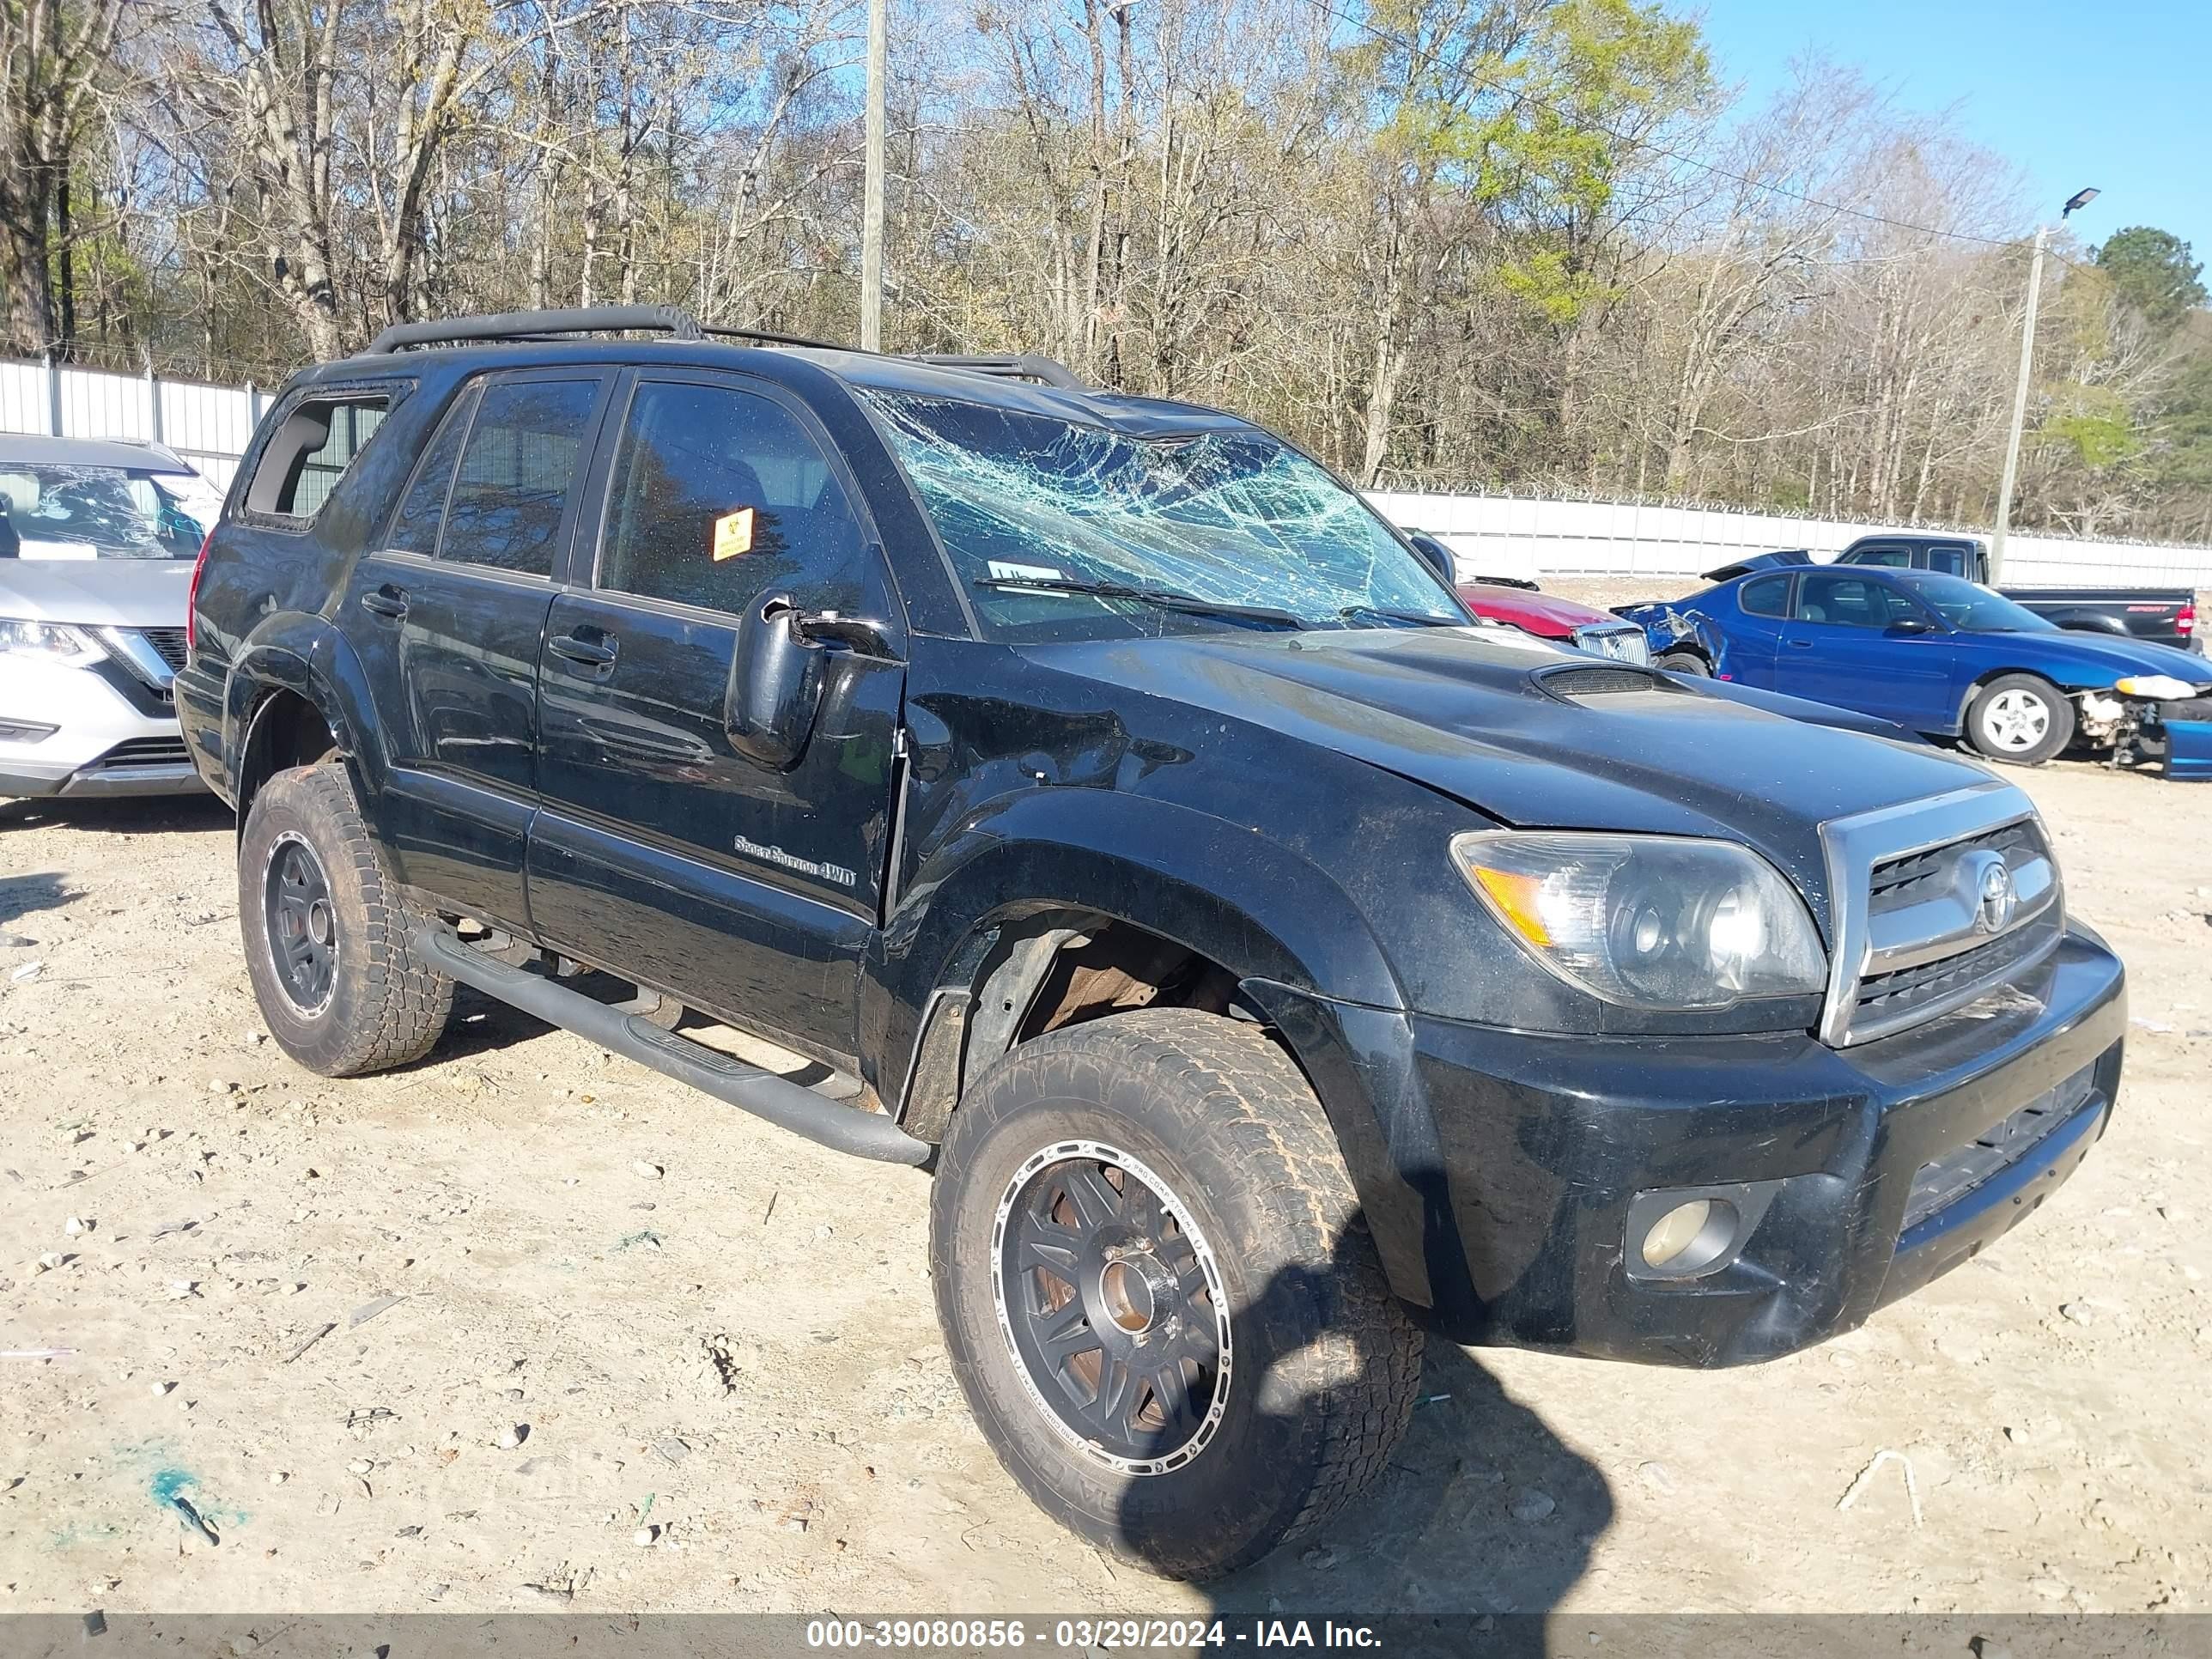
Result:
528,325
1026,365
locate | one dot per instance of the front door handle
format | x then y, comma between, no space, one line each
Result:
591,654
387,601
1799,645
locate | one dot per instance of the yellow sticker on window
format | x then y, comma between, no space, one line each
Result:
734,534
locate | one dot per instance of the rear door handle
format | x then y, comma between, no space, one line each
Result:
1799,645
386,601
593,653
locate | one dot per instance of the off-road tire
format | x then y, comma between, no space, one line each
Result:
2001,694
1327,1362
384,1008
1684,662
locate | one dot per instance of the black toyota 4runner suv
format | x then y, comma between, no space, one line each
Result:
1267,960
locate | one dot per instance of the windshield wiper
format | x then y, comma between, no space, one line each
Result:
1163,599
1412,618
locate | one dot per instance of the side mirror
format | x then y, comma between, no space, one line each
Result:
1435,554
1908,627
775,684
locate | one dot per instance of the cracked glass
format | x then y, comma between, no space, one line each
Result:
1188,532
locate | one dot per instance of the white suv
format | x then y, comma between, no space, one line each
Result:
97,540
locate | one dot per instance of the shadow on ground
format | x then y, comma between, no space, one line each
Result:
46,889
154,815
1483,1510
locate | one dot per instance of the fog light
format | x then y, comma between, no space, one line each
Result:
1690,1236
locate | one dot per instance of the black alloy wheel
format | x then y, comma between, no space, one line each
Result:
1113,1302
301,920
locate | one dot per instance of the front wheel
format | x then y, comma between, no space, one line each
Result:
1684,662
1159,1298
2020,718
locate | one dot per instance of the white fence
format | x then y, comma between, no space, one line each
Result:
1509,536
208,425
1492,535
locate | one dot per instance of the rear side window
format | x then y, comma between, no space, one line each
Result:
314,445
1886,558
517,470
1769,596
1951,561
718,494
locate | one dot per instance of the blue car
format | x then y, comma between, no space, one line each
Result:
1941,655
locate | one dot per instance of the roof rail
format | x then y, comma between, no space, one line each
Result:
525,325
1026,365
765,336
537,325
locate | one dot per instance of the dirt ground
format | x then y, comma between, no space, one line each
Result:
321,1314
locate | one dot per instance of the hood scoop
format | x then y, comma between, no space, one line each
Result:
1573,683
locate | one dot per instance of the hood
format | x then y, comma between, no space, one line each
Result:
1451,710
116,592
1540,613
2103,657
1780,561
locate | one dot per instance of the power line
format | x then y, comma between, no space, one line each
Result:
1585,124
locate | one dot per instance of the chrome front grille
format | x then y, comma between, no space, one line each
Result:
1936,905
143,651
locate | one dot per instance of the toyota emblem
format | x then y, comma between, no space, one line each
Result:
1994,910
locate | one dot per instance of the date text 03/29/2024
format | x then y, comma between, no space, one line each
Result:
1085,1634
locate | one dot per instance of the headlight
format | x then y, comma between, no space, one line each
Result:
49,642
1648,922
2156,686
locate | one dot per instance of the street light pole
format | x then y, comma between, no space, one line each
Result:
871,203
2079,198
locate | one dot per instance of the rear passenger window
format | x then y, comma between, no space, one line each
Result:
1767,597
717,495
313,446
1951,561
516,471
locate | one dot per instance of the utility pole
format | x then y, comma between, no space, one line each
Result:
2018,408
871,204
2079,199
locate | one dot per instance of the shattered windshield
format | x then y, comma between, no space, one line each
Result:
1064,531
90,512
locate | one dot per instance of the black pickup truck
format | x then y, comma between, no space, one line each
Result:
2166,615
1266,961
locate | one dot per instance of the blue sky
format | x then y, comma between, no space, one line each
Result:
2117,95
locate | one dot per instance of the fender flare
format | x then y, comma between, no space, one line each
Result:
304,655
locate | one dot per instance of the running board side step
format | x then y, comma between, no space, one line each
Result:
787,1104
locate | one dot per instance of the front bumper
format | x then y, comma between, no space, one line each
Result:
111,736
1501,1168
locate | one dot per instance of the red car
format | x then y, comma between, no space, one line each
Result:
1546,616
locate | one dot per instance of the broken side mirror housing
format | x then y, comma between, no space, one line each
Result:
775,684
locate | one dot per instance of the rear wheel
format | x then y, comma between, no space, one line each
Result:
2020,718
1684,662
327,944
1158,1296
